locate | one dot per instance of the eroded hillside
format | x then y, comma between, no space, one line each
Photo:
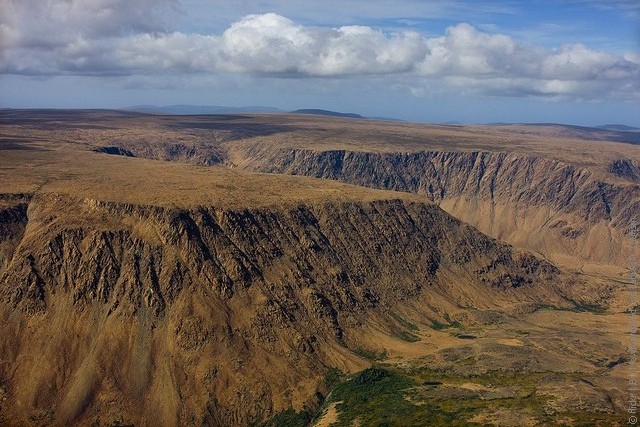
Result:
564,192
554,208
136,289
204,311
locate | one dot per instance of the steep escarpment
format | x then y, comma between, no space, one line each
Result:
563,191
168,151
223,316
545,205
625,168
13,220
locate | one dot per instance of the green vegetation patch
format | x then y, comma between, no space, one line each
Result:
405,323
381,396
391,396
374,397
439,326
586,307
404,329
371,355
289,418
333,377
589,308
407,336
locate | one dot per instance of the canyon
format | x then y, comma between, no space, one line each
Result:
217,270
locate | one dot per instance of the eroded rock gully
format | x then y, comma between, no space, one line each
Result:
206,315
565,212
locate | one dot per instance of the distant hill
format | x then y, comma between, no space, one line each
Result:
201,109
319,112
623,128
218,109
629,135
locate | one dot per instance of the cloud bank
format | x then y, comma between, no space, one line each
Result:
126,37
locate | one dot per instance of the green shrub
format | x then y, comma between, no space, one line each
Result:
289,418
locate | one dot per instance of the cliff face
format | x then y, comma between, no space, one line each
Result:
548,188
625,168
13,220
167,151
177,316
541,204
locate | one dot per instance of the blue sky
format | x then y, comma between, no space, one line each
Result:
574,61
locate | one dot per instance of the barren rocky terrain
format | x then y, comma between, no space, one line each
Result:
296,270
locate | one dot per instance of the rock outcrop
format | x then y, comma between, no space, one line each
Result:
537,203
207,315
562,191
148,292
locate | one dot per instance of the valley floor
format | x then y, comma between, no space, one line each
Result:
538,368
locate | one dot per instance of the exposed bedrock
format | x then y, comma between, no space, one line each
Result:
562,211
205,315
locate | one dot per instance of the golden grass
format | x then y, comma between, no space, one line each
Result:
84,129
387,137
140,181
51,151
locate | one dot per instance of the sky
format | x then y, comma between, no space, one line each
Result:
484,61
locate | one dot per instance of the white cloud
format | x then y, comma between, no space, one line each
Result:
580,63
633,57
496,64
362,50
131,37
464,50
266,43
272,44
49,23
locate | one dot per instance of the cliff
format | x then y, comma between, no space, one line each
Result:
570,214
223,316
162,270
565,192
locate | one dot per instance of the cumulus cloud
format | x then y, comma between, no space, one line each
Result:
131,37
272,44
59,36
49,23
465,51
496,64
